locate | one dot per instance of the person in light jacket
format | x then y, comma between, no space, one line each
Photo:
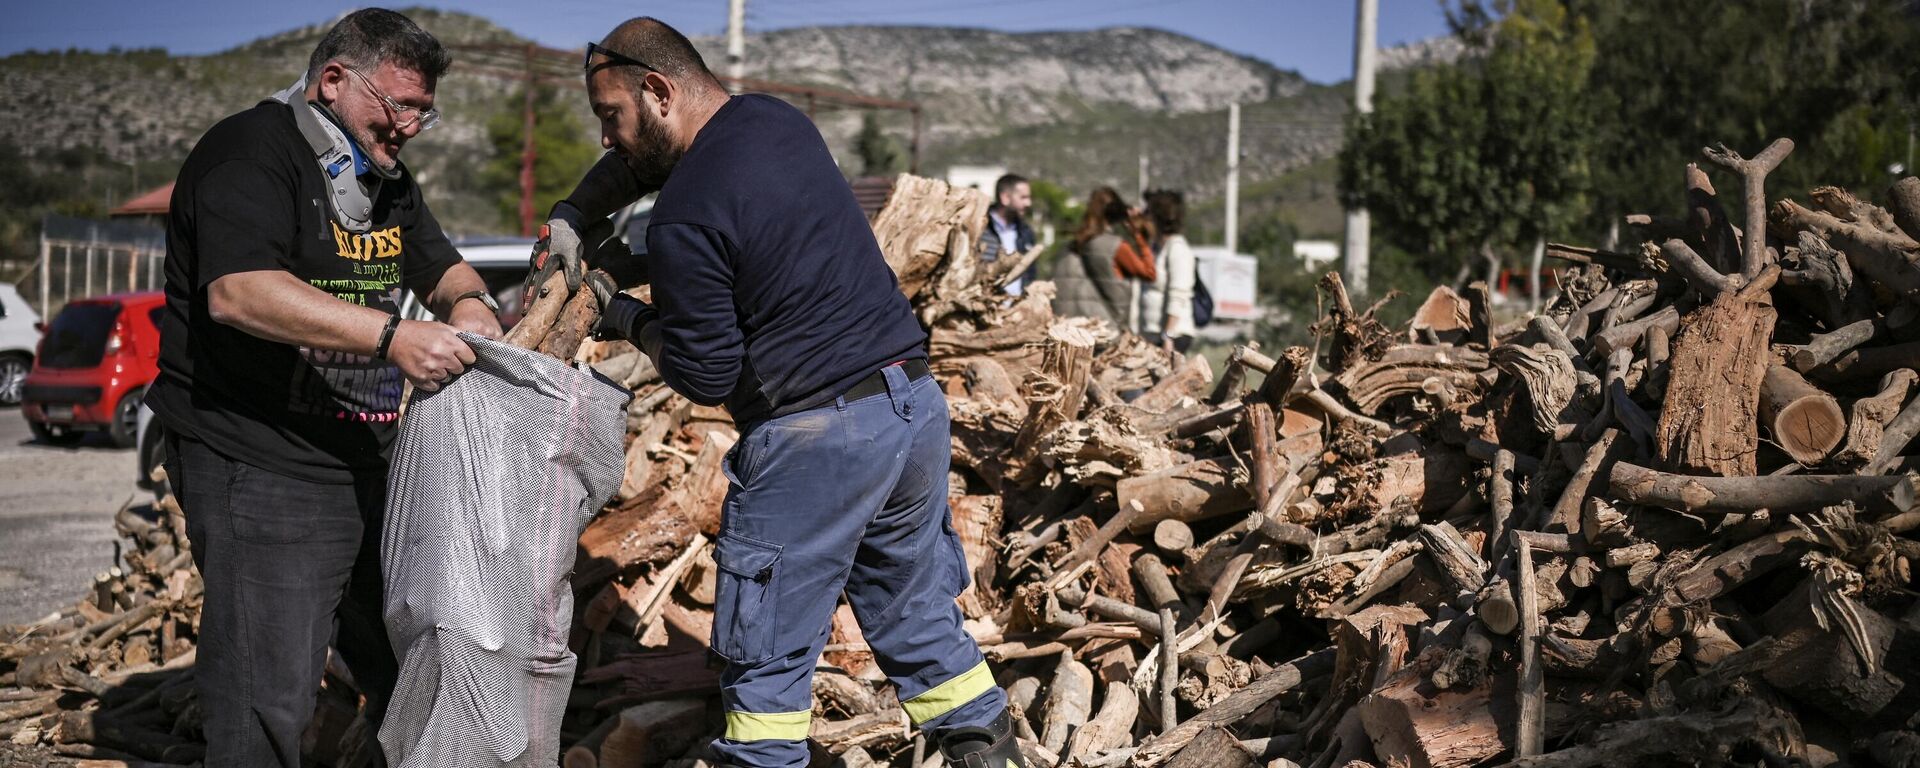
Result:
1166,303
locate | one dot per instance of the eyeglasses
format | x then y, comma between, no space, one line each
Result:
403,116
614,59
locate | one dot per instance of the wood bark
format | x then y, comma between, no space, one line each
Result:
1413,720
1640,485
1055,394
1281,679
1867,429
1709,422
550,299
1069,702
1190,492
1879,256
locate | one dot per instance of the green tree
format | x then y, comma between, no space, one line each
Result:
880,154
1485,154
562,153
1670,78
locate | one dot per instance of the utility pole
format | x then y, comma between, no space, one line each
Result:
1233,177
736,41
527,152
1364,57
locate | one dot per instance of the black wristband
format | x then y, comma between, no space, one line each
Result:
386,337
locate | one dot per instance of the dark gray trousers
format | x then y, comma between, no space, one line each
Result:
286,564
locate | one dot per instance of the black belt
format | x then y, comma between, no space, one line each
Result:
876,383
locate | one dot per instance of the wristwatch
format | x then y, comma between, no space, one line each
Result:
483,296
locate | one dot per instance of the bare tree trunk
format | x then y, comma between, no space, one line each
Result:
1539,255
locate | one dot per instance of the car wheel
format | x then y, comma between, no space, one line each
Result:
13,378
125,426
52,435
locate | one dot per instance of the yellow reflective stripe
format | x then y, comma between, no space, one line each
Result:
756,726
948,696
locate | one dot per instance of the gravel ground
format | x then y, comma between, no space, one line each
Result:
56,518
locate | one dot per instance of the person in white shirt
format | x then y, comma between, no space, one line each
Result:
1007,233
1166,304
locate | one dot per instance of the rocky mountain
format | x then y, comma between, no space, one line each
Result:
1077,107
978,82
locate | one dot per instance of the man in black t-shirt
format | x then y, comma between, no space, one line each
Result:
774,298
293,230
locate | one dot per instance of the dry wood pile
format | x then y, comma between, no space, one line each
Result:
1666,522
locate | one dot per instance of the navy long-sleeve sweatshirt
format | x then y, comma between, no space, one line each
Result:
772,294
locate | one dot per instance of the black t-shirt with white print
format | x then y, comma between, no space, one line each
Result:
250,197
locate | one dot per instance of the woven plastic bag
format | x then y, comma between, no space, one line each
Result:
493,478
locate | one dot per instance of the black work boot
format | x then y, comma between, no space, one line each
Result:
993,746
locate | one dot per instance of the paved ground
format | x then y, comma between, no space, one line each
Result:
56,517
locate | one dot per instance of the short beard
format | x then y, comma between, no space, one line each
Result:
656,155
365,139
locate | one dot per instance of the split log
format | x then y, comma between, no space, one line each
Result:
1069,702
658,532
1708,423
1188,384
1213,748
651,733
1866,431
1805,422
922,221
1427,727
1054,393
1112,727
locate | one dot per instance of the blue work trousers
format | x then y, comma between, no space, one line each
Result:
848,497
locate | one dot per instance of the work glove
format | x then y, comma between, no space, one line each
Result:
560,247
621,315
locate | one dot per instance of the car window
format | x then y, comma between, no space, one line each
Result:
78,336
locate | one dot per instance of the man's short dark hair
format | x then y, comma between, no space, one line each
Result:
367,38
664,49
1007,183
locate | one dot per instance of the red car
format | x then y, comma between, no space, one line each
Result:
96,360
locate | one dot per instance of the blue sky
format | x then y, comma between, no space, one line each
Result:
1312,36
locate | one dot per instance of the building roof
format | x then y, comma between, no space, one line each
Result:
153,203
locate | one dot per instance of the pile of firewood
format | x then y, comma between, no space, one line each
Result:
1668,521
110,677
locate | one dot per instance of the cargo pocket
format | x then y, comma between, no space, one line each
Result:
743,608
959,576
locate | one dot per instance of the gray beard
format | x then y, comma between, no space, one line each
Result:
364,138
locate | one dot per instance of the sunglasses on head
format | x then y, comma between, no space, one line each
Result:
614,59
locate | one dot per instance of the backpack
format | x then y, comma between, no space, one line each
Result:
1202,303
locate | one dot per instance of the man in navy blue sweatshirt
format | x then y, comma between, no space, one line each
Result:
772,297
